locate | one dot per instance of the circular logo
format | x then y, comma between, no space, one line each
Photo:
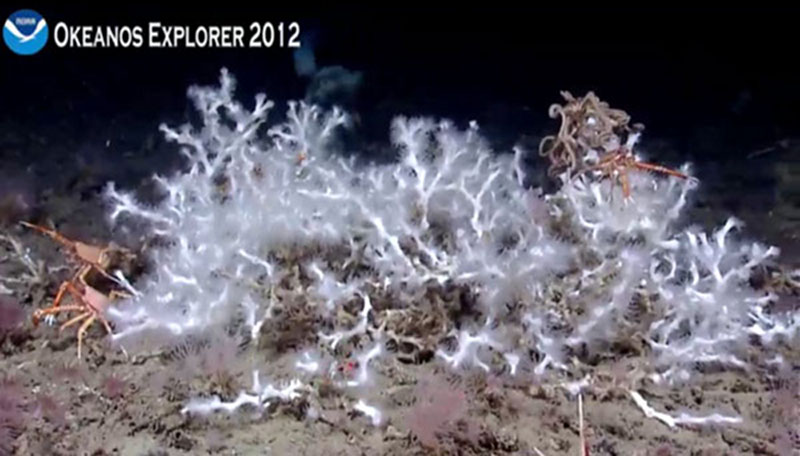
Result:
25,32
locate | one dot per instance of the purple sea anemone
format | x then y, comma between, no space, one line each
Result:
11,314
13,414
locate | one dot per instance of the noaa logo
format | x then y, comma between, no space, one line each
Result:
25,32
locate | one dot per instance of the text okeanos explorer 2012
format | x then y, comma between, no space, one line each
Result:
158,35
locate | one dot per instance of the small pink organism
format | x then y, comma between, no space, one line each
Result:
113,386
439,405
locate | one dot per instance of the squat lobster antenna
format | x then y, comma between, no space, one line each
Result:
53,234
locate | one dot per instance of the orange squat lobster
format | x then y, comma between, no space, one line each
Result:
619,162
87,299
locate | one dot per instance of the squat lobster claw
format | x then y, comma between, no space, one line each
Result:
88,299
92,303
618,162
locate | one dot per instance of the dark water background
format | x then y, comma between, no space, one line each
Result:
717,87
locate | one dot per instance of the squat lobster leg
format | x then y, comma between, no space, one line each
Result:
64,288
92,302
626,184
